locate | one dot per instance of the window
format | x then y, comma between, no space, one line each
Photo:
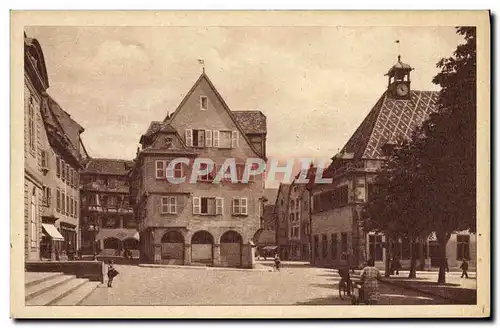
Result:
34,230
58,200
359,189
169,204
324,245
204,205
67,174
333,246
203,103
111,222
44,159
75,173
160,169
104,200
343,242
31,124
63,202
219,205
375,247
67,205
240,206
76,209
63,170
198,138
463,247
46,196
225,139
58,166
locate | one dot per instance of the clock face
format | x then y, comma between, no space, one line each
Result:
402,89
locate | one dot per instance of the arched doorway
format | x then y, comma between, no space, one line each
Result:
202,247
172,247
230,249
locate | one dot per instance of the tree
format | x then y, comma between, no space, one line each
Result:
448,154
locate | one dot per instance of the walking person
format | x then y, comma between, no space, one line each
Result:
464,267
277,262
112,273
370,276
396,265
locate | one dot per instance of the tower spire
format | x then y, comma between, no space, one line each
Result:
202,63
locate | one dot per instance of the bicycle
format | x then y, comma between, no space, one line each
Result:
346,287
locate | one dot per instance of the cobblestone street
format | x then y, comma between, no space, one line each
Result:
296,283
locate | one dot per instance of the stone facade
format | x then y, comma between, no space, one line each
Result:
204,222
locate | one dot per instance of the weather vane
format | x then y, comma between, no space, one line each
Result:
202,63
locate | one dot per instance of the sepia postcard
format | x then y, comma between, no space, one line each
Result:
250,164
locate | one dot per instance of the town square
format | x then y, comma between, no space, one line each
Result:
250,166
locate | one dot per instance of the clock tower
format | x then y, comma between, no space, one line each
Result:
399,80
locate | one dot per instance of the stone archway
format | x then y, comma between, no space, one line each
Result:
231,249
202,250
172,247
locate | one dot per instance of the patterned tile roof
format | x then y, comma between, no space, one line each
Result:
157,126
251,121
108,166
389,119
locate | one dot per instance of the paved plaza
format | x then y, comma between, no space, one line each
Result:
295,284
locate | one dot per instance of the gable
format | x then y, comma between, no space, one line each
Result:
217,117
170,141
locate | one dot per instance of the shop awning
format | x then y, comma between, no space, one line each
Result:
52,231
120,234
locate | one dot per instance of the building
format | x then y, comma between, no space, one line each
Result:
282,222
204,222
61,162
299,221
36,83
53,153
107,219
336,207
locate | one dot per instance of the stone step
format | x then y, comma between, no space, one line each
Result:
55,294
46,285
79,295
33,278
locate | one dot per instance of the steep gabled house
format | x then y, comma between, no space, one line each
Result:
107,220
281,219
204,222
62,162
336,207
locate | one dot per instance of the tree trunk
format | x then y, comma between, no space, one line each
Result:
442,240
413,263
421,254
387,257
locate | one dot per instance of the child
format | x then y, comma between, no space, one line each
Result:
111,273
277,262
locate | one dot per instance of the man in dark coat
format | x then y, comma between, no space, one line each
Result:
464,267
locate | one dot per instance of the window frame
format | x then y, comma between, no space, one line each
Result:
203,99
169,203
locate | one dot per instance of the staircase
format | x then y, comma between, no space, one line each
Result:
55,288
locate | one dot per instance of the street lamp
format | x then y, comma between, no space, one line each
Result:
94,229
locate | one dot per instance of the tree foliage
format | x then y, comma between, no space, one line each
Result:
429,183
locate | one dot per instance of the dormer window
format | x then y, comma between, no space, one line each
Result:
203,103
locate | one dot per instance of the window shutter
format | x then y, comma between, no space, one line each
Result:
189,137
208,138
244,206
170,170
234,139
215,141
159,169
219,205
173,204
196,205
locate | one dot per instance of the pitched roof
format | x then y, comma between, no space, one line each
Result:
388,120
108,166
224,105
271,194
251,121
158,126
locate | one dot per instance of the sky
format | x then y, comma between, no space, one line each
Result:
314,84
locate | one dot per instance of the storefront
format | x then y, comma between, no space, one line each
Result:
52,242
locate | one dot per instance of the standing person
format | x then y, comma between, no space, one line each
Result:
464,267
446,267
369,278
396,265
112,273
277,262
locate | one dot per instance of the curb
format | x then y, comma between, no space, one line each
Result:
167,266
426,292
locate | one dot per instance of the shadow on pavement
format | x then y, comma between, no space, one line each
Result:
329,286
459,295
330,300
